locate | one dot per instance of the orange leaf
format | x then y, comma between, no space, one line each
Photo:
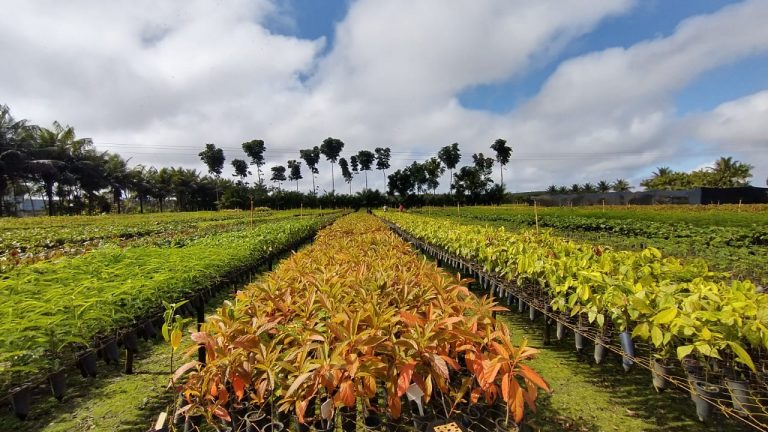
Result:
505,388
346,394
239,385
411,319
393,402
406,372
534,377
519,407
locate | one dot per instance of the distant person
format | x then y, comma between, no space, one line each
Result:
402,208
385,209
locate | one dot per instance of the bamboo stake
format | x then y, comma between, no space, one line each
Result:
536,215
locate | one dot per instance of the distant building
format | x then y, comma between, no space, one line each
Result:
744,195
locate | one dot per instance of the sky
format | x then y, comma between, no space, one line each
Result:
582,90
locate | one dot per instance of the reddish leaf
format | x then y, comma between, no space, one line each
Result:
346,394
393,402
411,319
222,413
406,372
238,384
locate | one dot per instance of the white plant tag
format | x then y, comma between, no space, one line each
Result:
414,393
326,409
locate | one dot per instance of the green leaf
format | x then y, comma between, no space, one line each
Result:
656,336
684,350
665,316
641,331
742,354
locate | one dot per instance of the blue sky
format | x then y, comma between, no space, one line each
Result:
583,90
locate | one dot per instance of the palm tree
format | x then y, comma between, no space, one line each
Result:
621,185
731,173
603,186
552,189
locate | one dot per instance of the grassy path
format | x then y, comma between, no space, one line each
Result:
589,397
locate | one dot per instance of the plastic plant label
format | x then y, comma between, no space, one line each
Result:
326,409
414,393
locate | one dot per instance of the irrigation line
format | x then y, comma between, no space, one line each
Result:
536,298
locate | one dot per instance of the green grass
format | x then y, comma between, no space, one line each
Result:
111,402
589,397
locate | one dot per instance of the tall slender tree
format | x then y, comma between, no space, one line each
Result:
294,172
311,157
433,168
213,158
503,153
346,173
278,175
331,149
365,158
241,169
255,150
450,156
383,155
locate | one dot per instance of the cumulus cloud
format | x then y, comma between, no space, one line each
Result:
157,81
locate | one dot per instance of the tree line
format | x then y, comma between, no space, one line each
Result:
725,173
75,178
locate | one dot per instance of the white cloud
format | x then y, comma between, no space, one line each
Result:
166,78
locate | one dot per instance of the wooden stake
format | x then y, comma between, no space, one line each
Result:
739,205
128,361
603,204
251,211
536,215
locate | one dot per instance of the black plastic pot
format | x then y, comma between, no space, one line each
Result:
741,397
578,339
58,383
659,372
501,425
701,390
625,338
348,419
321,425
273,426
600,349
560,332
148,330
87,363
421,423
22,399
111,352
372,423
131,342
254,420
191,424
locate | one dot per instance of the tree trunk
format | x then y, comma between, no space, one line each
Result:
297,185
49,194
313,184
141,204
501,172
366,180
160,201
333,183
116,196
3,187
